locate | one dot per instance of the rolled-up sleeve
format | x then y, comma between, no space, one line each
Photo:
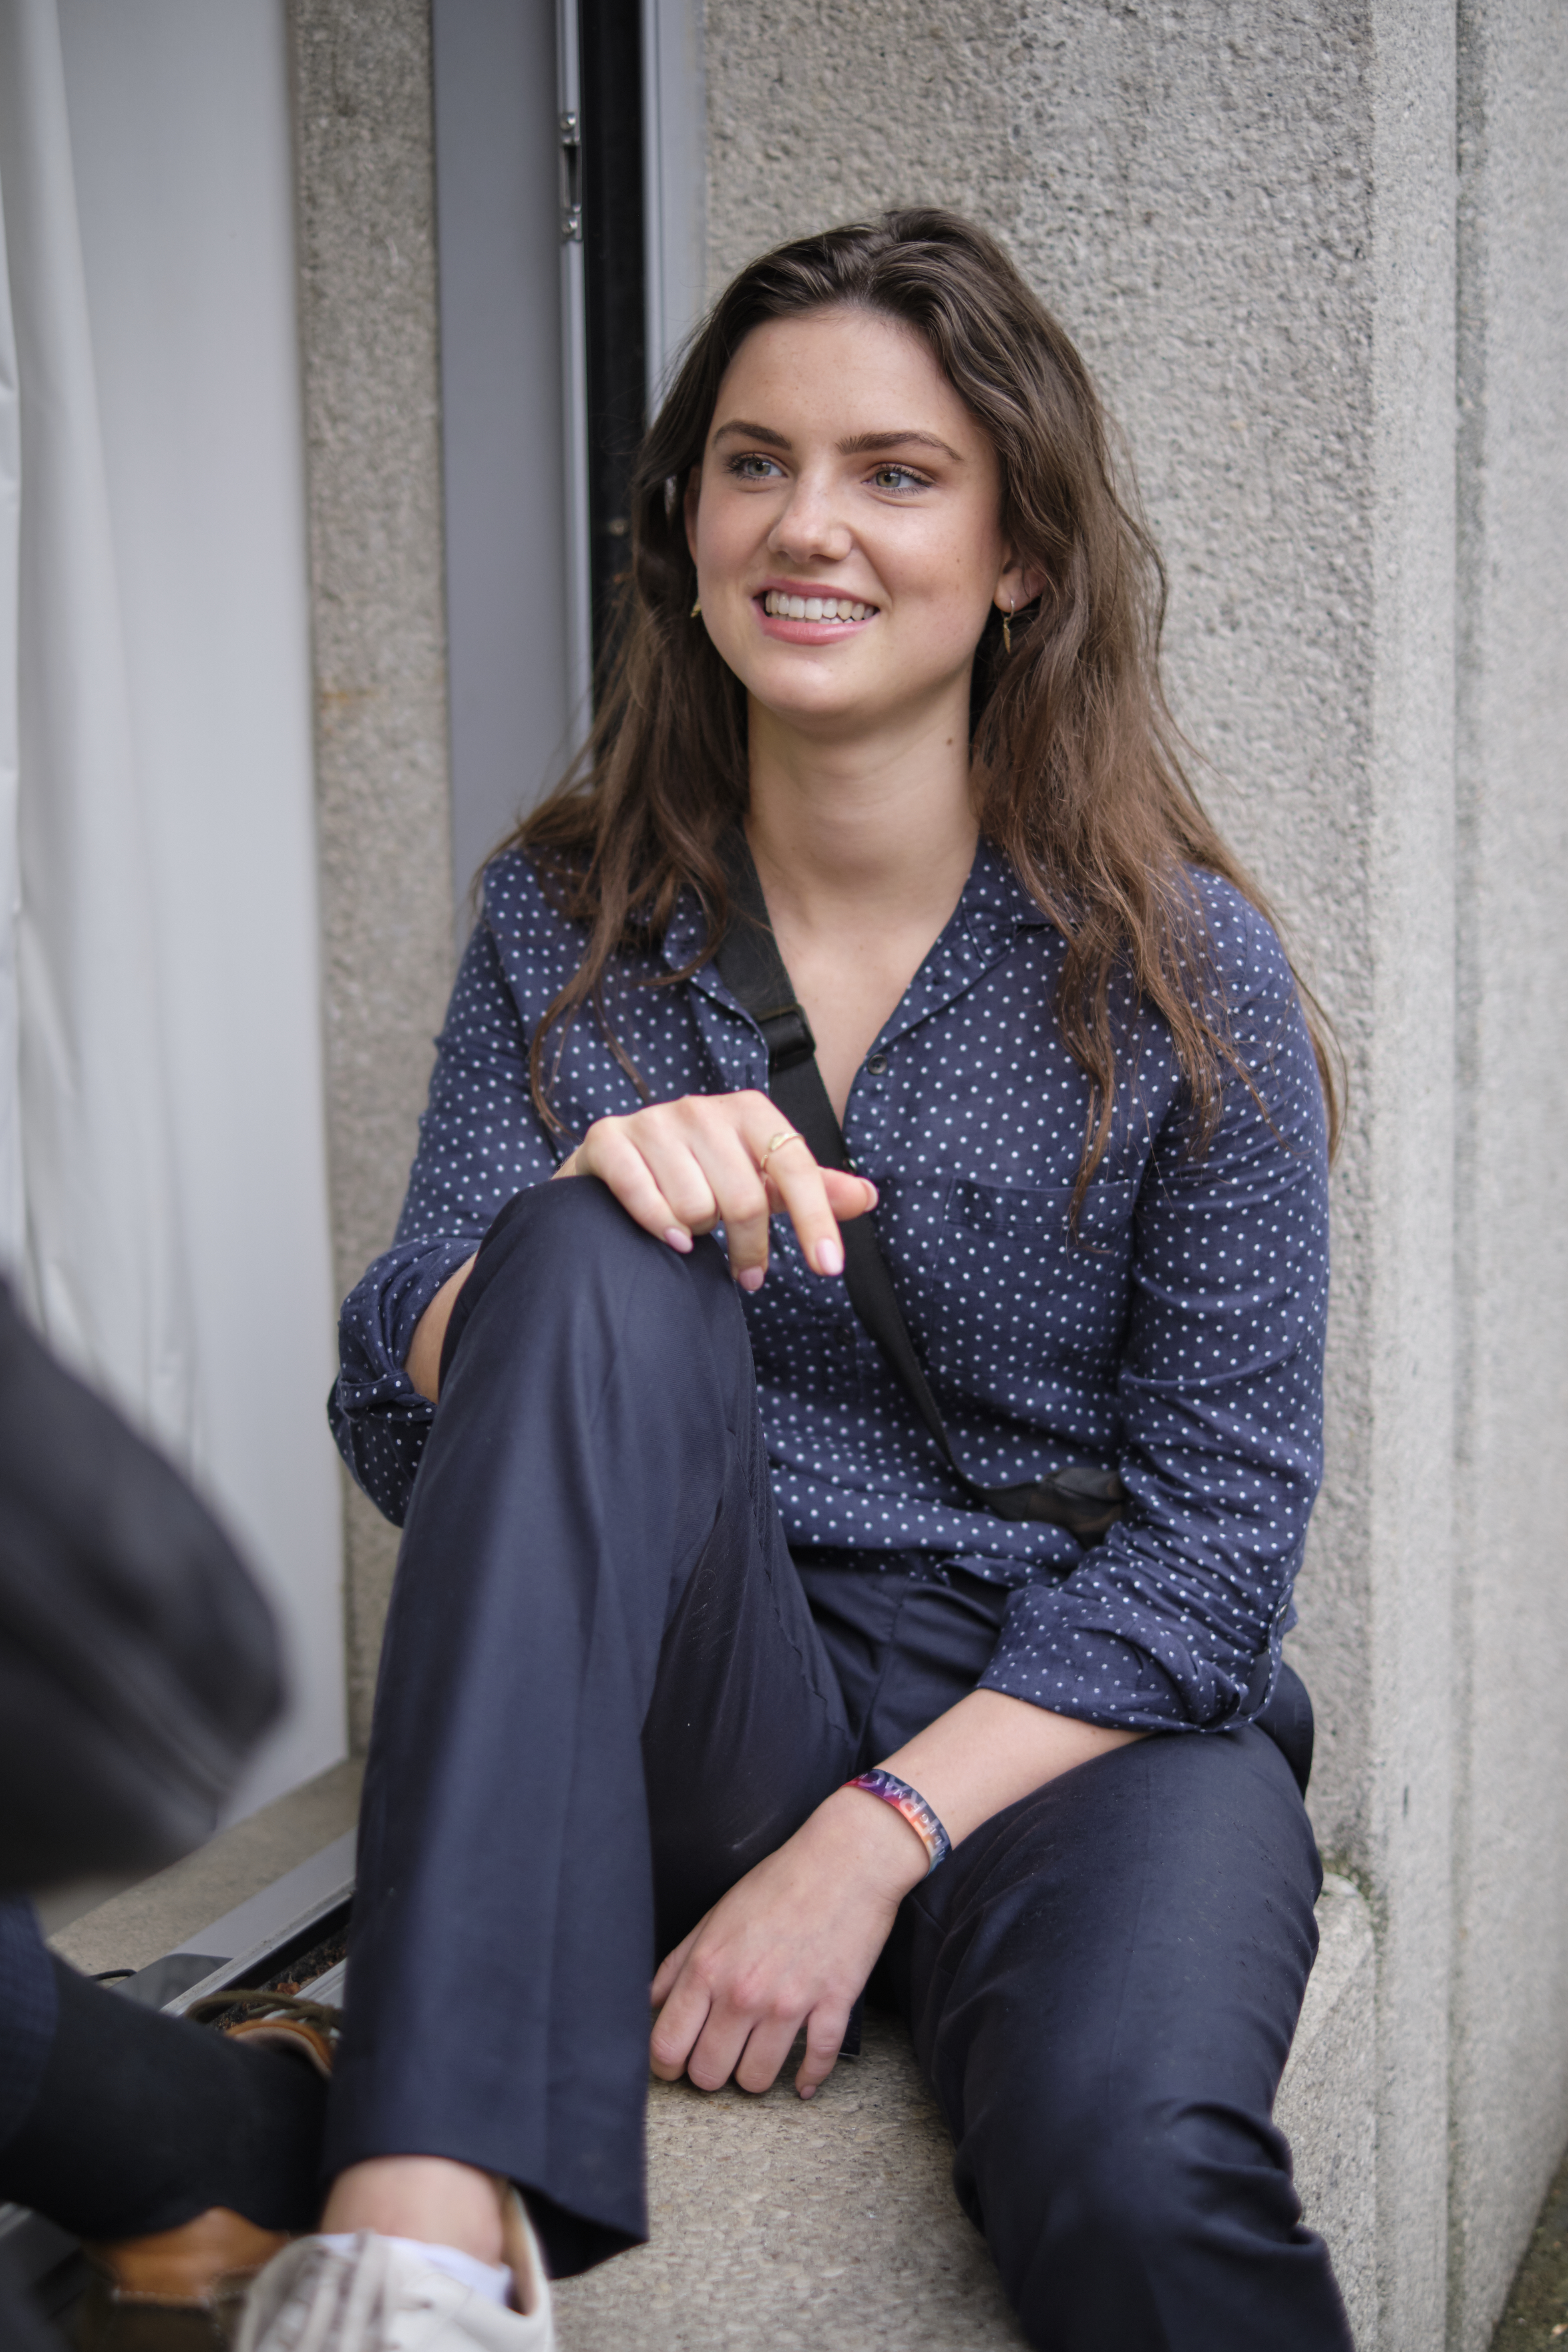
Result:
480,1141
1174,1620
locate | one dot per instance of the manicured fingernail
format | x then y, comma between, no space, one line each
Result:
809,2091
752,1279
677,1238
870,1188
829,1257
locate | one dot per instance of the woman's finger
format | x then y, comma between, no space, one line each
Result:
825,2030
849,1196
716,2050
609,1152
768,2044
803,1195
680,1175
679,2026
796,1184
744,1205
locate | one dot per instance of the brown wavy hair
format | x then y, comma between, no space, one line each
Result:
1079,774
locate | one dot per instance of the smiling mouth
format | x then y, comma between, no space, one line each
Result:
780,607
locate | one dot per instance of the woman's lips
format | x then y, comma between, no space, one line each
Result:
820,620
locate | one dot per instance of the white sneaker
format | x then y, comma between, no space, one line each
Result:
379,2297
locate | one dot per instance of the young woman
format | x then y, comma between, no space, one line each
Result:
684,1558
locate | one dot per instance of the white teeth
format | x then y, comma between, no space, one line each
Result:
813,608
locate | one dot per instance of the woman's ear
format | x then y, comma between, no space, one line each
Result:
693,491
1019,584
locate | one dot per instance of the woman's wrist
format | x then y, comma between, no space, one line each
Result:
872,1840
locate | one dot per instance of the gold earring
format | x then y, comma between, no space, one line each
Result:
1008,627
697,608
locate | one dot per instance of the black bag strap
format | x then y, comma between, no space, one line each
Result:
1079,1496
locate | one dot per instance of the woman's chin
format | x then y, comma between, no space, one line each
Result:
822,700
828,718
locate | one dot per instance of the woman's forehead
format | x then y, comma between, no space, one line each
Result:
840,374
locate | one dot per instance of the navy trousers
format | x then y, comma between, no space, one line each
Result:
607,1690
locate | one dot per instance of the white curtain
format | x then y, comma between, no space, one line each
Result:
92,1213
162,1180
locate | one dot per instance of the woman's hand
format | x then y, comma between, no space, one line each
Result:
681,1168
791,1944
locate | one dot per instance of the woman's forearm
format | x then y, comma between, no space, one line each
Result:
423,1364
989,1750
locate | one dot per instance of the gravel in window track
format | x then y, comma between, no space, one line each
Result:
297,1978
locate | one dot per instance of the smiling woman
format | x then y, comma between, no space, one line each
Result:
901,1597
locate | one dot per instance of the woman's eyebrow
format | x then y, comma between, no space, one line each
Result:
741,430
865,444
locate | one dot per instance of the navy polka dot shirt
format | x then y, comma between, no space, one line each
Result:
1178,1336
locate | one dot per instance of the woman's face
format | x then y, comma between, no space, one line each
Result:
846,525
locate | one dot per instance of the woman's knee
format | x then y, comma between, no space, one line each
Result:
567,1229
564,1267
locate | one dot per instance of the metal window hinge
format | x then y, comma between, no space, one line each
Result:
571,179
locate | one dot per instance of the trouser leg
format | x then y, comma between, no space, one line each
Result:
602,1699
1103,1982
27,2011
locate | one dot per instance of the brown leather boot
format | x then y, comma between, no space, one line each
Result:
176,2290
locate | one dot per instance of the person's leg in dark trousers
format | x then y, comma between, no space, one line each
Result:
603,1691
1102,1983
596,1627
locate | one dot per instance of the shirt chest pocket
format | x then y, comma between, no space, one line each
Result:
1038,1218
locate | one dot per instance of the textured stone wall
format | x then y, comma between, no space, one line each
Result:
368,329
1511,1992
1248,214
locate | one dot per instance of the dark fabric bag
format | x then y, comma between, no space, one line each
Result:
138,1663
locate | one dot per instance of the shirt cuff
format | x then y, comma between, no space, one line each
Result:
1057,1650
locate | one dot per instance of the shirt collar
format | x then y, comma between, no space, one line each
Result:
995,902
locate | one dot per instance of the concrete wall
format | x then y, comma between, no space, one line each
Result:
1248,214
1511,1980
367,301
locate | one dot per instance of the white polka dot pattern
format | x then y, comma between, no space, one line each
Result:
1178,1336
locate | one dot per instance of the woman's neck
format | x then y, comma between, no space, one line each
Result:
863,851
861,834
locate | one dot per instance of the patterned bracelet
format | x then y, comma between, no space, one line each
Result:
913,1807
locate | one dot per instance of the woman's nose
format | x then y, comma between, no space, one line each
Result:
810,525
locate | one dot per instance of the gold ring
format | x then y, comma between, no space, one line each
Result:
785,1135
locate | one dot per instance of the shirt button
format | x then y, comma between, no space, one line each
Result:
878,1065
